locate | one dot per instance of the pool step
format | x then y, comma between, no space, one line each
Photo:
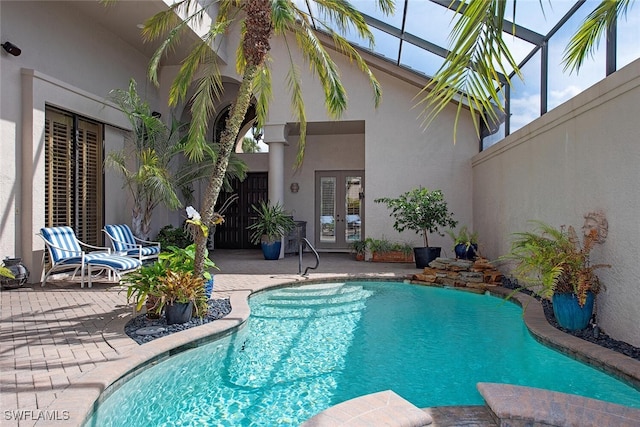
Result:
328,300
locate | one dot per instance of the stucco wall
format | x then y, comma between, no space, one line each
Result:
398,153
580,157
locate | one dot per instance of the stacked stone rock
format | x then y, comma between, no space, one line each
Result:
478,274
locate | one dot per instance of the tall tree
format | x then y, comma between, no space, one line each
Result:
260,20
469,75
145,160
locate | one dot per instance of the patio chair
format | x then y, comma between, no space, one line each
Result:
126,244
66,253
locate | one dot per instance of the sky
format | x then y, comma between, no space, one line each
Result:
433,23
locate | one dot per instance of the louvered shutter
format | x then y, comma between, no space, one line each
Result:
73,175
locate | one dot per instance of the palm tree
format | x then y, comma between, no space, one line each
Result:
145,161
469,74
260,20
250,145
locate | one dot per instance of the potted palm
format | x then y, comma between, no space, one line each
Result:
271,224
424,212
554,264
465,243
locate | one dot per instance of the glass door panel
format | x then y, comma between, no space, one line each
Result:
327,220
339,209
353,208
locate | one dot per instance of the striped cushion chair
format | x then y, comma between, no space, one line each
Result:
126,244
67,253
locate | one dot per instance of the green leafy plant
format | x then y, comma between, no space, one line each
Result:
181,287
142,283
271,224
358,247
5,272
383,245
420,210
183,259
463,237
552,260
173,236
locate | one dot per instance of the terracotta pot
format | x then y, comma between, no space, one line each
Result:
392,256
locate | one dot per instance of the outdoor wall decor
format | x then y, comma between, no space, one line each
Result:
596,221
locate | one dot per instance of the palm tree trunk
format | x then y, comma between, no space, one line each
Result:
255,47
227,144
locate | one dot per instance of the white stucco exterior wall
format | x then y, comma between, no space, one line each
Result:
580,157
398,153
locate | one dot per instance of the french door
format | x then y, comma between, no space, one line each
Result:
339,209
233,233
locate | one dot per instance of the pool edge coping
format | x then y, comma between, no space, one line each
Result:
86,392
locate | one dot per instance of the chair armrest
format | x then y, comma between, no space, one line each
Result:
127,244
148,242
101,248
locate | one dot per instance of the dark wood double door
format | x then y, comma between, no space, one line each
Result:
233,234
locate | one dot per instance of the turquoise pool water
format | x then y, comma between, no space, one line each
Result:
305,349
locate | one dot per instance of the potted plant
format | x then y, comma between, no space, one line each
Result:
141,285
272,223
465,244
424,212
555,265
359,248
183,259
383,250
180,293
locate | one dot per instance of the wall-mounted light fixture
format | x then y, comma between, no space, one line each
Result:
294,187
11,48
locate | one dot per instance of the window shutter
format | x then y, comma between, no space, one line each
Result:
73,175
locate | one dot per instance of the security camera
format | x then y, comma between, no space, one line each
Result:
11,48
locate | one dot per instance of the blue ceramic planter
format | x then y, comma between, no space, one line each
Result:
466,252
568,312
271,251
208,287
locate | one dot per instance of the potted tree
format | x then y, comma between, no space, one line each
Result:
555,265
424,212
465,243
272,223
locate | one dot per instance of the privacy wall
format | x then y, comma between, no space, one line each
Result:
583,156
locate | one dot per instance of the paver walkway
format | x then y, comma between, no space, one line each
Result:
51,336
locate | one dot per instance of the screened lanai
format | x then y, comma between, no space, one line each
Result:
416,37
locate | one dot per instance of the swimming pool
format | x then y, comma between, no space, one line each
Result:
307,348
